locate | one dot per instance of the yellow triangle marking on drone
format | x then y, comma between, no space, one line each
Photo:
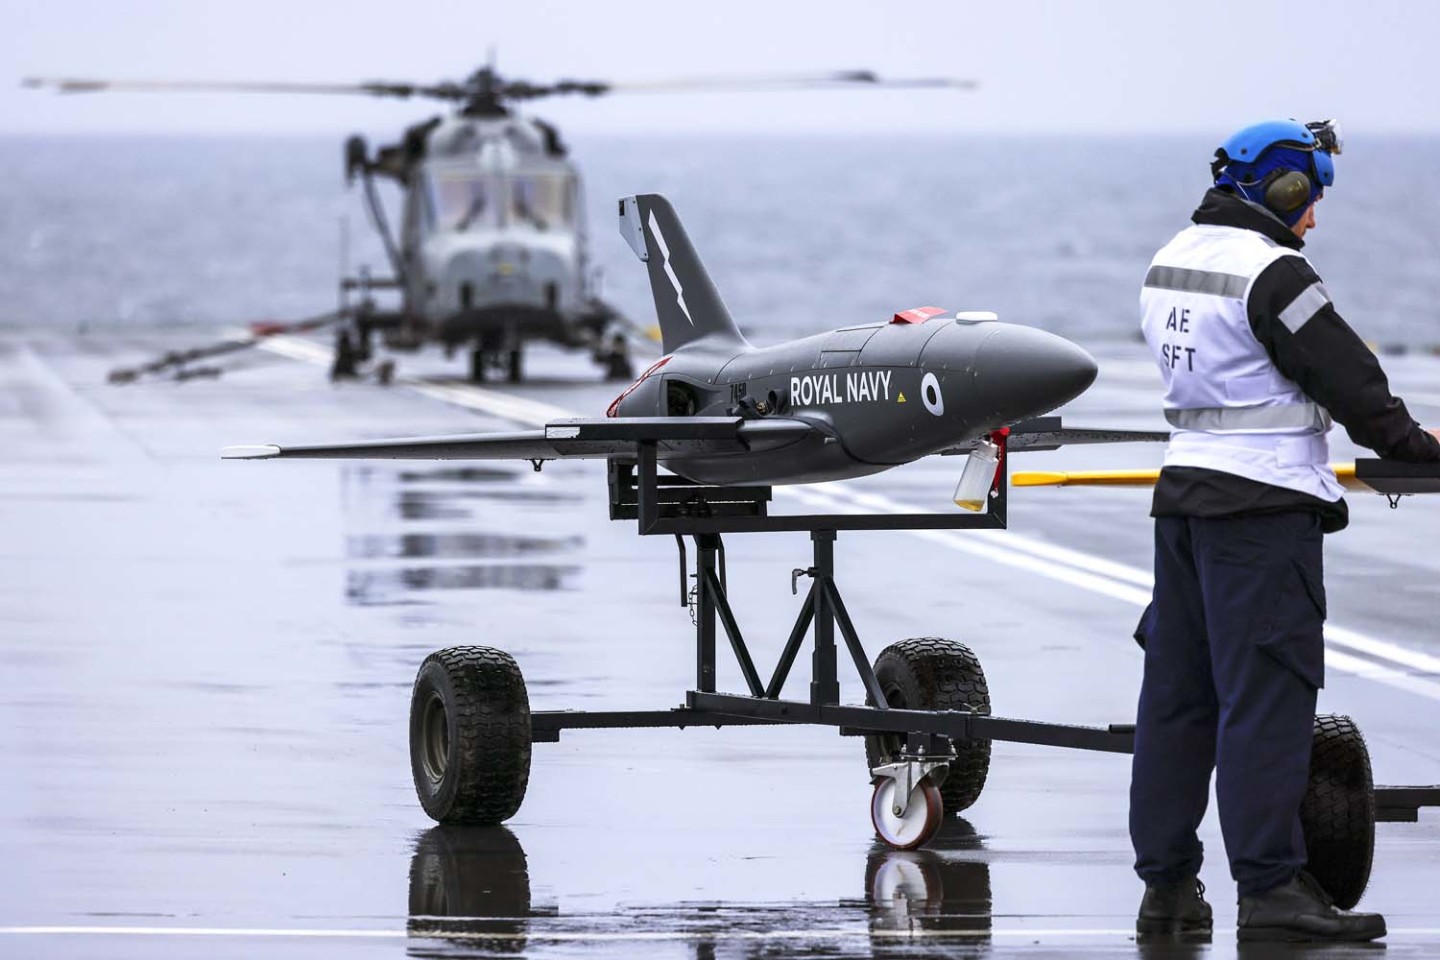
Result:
902,399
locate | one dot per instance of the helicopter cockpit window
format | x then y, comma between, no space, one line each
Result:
464,202
545,202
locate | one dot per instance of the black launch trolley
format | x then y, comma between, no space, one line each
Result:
926,723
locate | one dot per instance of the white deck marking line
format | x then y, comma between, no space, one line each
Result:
961,541
519,409
296,348
1079,569
523,410
532,934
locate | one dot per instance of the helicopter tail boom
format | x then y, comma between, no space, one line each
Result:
687,304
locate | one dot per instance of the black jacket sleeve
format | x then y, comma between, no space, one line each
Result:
1324,356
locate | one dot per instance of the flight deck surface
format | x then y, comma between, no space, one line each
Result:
208,666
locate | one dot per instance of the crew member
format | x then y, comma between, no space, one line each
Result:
1256,362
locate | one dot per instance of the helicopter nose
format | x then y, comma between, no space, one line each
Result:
1022,372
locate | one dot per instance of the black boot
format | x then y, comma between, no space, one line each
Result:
1300,910
1178,910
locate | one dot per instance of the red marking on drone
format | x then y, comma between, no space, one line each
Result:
917,314
614,409
1001,439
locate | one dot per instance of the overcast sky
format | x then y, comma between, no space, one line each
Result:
1124,66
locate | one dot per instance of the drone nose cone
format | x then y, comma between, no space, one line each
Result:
1023,372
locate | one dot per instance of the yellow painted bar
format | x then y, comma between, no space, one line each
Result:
1344,472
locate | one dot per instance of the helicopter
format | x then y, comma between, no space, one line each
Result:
492,250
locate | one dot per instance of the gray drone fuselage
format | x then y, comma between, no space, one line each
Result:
877,396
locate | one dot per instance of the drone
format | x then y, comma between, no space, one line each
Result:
729,421
492,248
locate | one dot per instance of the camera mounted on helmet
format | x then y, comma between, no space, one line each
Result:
1327,136
1284,165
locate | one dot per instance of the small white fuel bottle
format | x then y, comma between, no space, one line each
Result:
973,490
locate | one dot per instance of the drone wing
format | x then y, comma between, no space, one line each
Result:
610,438
1046,433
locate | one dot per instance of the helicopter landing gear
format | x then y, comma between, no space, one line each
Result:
364,344
481,360
346,362
616,360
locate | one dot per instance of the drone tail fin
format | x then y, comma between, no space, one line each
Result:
687,304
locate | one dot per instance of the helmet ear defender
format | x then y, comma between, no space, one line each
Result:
1287,191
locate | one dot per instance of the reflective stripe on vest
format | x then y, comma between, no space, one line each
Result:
1293,416
1197,281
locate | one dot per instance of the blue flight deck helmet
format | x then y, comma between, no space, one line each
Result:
1284,165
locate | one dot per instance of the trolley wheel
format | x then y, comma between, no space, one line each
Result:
470,735
931,673
385,372
923,815
515,366
1338,811
478,361
345,363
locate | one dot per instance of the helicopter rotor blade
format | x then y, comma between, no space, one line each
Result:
496,89
837,80
444,91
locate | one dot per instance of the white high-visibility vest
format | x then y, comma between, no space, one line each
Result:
1229,407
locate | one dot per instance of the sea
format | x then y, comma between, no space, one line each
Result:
800,234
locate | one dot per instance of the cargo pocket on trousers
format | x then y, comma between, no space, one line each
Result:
1294,635
1142,629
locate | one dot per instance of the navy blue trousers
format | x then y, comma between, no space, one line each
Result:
1234,654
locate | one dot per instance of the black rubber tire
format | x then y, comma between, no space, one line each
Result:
344,363
931,673
1338,812
364,344
470,736
515,366
478,362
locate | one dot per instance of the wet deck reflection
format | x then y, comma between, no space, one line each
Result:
470,895
473,526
